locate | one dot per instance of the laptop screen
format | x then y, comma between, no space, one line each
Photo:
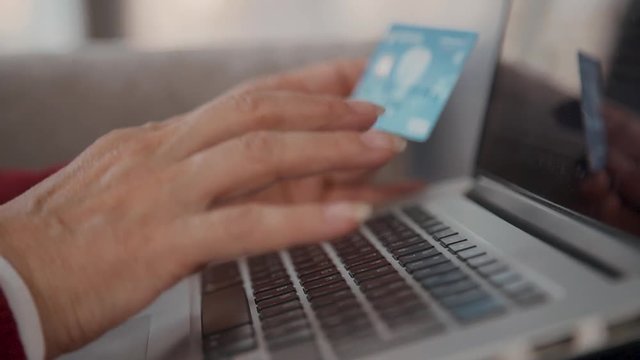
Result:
565,133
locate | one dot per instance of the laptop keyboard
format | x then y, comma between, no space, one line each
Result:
349,292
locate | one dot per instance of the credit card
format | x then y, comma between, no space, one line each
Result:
591,103
412,73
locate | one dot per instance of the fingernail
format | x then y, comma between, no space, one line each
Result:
365,108
350,211
377,139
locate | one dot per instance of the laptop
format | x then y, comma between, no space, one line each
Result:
536,256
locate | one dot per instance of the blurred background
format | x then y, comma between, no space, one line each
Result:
62,25
71,70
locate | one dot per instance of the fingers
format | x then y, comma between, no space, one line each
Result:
250,229
376,194
240,113
333,78
258,159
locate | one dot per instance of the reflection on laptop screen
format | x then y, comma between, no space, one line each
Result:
542,134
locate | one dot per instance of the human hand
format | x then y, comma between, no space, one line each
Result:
145,206
335,78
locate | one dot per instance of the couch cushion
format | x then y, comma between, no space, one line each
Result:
54,105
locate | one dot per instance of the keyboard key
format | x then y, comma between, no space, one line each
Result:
468,253
393,287
310,285
460,246
232,348
318,274
219,284
396,300
257,288
327,289
360,260
262,295
342,318
476,310
416,318
492,268
367,266
411,249
436,228
229,336
438,269
504,278
516,287
292,337
280,308
340,306
261,305
285,328
444,233
441,279
372,274
355,254
418,255
399,244
411,308
224,309
218,277
530,297
313,267
384,280
425,224
425,263
452,240
356,328
269,276
331,298
453,288
481,260
283,318
463,297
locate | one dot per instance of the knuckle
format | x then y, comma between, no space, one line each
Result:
114,138
152,126
246,102
257,108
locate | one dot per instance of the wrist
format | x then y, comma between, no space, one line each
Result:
18,284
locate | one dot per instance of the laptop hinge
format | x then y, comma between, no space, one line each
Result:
528,217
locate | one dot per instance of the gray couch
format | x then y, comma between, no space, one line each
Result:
53,105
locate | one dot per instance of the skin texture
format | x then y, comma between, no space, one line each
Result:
275,162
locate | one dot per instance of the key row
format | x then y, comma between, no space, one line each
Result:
336,308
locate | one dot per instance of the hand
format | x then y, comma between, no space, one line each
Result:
334,79
145,206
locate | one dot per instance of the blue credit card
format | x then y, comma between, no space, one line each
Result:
591,103
412,73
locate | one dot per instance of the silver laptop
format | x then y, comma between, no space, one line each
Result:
522,261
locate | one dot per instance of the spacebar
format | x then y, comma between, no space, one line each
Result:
224,309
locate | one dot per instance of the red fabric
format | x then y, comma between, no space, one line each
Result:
10,345
12,184
15,182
